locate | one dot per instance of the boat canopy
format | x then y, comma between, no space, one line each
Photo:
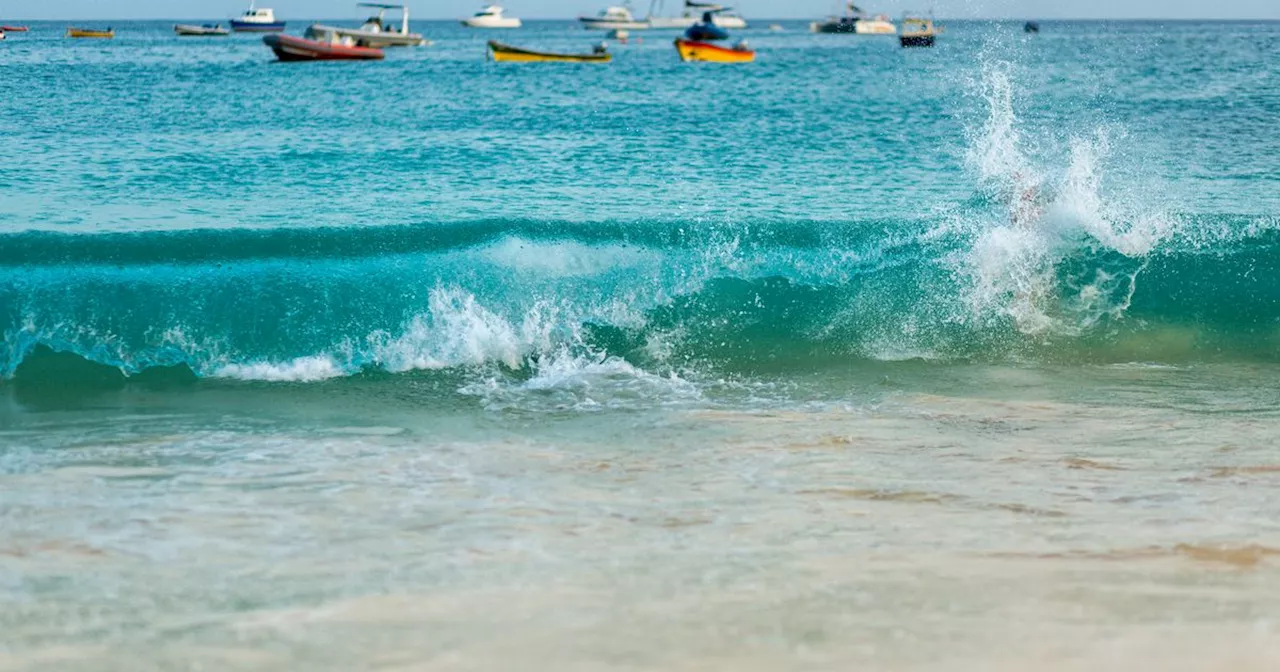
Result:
382,8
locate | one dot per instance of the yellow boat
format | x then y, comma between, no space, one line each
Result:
703,51
505,53
88,32
918,32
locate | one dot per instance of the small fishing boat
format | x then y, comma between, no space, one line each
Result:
703,51
491,17
918,32
613,18
256,20
14,29
206,30
89,32
505,53
855,21
375,32
334,48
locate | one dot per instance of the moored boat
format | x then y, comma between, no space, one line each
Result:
375,32
855,21
918,32
290,48
703,51
90,32
14,29
692,9
255,20
613,18
491,16
206,30
505,53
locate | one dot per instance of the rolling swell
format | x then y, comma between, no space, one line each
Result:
310,304
203,246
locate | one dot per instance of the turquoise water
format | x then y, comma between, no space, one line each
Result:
300,361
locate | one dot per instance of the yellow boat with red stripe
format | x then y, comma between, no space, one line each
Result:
710,53
505,53
89,32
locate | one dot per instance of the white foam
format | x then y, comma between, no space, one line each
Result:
566,258
565,381
455,331
300,370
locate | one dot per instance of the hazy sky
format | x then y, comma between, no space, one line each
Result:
285,9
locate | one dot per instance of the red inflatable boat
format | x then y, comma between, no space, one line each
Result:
290,48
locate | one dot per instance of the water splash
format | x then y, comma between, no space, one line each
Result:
1039,215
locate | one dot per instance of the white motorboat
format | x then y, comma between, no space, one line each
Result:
375,32
615,17
257,20
855,21
619,17
491,17
692,13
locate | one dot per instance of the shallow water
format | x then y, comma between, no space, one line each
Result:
440,364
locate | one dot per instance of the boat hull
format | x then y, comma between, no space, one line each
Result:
293,49
916,40
859,27
594,23
255,27
93,34
14,29
488,22
710,53
505,53
659,23
685,22
199,31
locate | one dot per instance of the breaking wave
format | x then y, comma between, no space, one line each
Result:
1048,260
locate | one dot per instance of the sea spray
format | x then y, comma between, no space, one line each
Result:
1041,215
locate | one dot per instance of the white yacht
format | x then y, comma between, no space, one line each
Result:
619,17
615,17
855,21
491,17
692,13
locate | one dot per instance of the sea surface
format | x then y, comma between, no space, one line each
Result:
856,357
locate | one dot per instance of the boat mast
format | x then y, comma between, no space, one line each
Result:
404,20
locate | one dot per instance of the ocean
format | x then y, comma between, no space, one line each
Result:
855,357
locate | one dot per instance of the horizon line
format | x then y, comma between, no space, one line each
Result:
575,18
